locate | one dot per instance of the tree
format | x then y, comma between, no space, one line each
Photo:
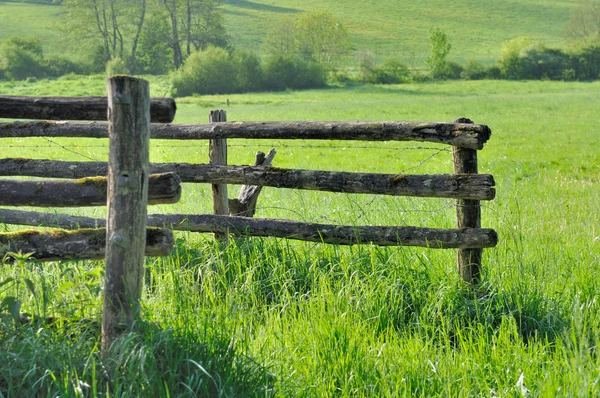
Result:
440,48
117,24
584,23
195,24
511,56
314,37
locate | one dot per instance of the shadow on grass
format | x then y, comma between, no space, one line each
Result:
261,7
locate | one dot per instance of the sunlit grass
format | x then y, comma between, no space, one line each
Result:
272,317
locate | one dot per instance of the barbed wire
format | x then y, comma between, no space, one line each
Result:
363,210
417,148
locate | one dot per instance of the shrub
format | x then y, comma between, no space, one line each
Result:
474,70
248,72
21,57
494,72
116,66
585,62
543,63
392,71
205,72
511,60
58,66
452,70
291,72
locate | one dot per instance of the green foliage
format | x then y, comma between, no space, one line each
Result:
287,319
292,73
544,63
440,48
209,71
56,66
154,51
392,71
511,56
315,37
21,57
585,63
474,70
248,71
116,66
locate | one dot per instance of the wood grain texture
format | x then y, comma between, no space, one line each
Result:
245,204
163,188
468,213
162,110
81,244
465,135
128,171
468,186
325,233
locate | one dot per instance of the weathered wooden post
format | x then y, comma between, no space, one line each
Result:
468,213
218,156
129,136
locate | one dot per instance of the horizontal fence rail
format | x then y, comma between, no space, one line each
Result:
465,135
463,186
162,110
312,232
89,244
92,191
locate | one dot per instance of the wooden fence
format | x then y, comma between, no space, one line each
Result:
465,185
127,190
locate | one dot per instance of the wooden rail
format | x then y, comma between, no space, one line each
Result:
464,186
312,232
89,244
91,191
465,135
162,110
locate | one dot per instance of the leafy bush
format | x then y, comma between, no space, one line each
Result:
474,70
56,66
452,70
21,57
511,60
585,63
205,72
292,72
248,72
392,71
116,66
543,63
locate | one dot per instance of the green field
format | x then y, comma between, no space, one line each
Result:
280,318
399,28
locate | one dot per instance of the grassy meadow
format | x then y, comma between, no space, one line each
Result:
269,317
397,28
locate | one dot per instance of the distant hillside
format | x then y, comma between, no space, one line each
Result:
476,28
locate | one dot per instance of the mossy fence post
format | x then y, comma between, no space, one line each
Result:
128,169
468,213
217,153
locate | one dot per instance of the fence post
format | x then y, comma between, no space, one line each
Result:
218,156
468,213
129,138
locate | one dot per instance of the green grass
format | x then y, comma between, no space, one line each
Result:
398,28
280,318
476,29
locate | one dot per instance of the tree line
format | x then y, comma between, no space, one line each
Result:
188,39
